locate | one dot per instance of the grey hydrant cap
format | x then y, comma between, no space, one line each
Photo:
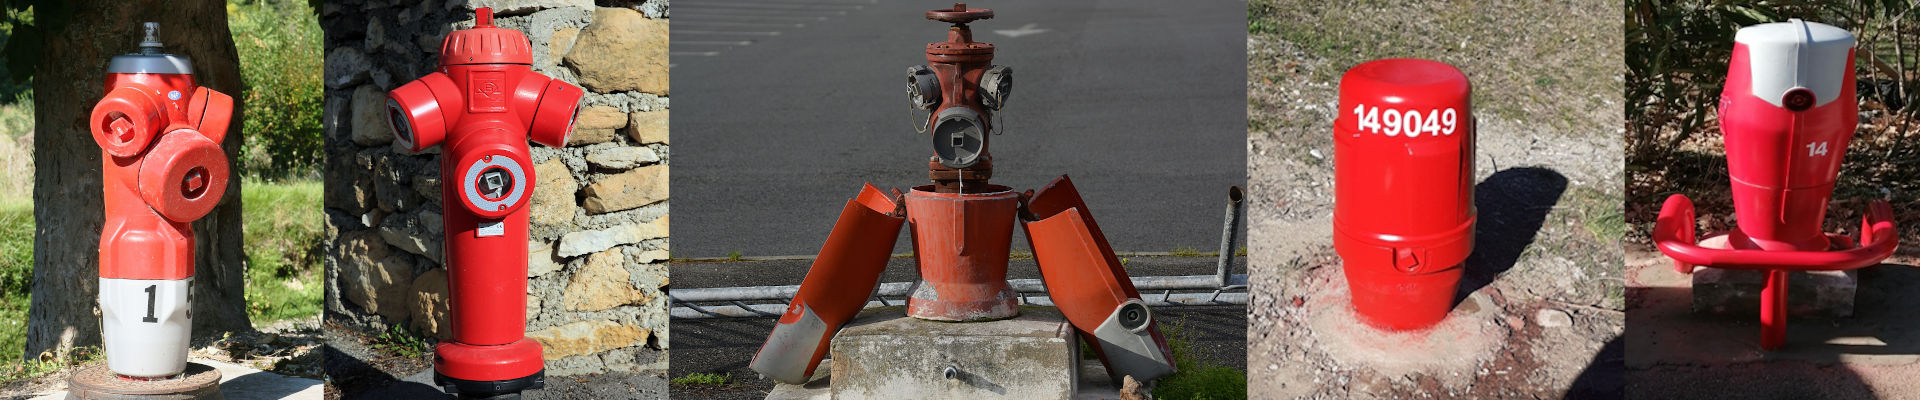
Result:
151,59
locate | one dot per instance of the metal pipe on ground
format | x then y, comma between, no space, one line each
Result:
1229,235
898,289
774,310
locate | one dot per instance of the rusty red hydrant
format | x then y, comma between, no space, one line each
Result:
483,104
1403,202
1787,113
163,168
962,230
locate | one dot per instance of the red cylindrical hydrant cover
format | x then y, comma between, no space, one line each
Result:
1788,112
1403,198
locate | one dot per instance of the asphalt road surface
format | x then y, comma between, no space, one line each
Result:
726,345
783,108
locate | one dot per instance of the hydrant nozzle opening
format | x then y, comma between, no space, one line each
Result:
195,183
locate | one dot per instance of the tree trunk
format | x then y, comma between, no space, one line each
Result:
67,184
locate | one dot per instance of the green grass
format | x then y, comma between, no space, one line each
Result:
284,227
1601,215
703,379
1184,251
1196,378
16,278
1018,254
402,342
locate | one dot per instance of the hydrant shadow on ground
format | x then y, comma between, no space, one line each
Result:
1513,205
1676,353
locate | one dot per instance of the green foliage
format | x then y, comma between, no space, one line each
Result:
1196,378
403,343
703,379
11,370
282,62
12,88
27,22
16,276
283,230
1677,52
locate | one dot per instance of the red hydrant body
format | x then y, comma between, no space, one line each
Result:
1403,199
163,168
483,104
962,226
1787,113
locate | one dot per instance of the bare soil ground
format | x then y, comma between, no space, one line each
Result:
1541,306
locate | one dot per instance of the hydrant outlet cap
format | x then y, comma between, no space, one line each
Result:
485,44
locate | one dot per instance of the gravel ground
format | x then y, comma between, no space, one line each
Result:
1541,305
358,369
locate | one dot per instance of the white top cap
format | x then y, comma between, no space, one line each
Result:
1782,56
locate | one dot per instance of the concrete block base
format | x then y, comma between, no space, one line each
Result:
818,387
886,355
1737,292
1094,385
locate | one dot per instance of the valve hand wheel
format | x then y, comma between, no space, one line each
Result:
959,14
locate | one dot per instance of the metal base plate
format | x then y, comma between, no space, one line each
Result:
494,390
97,382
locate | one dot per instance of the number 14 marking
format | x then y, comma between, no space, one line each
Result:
1816,149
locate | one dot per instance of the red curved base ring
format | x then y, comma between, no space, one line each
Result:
1674,234
509,361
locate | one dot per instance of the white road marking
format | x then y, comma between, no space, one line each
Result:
762,6
1028,29
738,24
718,23
712,42
742,33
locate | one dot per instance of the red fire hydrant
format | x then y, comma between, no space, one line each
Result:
162,166
962,226
1403,199
1787,113
962,230
483,104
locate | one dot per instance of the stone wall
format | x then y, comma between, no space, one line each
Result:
599,211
